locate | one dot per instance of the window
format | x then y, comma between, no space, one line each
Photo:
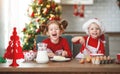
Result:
15,15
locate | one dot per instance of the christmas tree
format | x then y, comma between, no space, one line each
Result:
39,12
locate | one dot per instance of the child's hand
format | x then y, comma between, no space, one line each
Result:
64,53
75,39
51,54
82,40
78,38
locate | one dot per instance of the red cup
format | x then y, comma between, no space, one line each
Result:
118,56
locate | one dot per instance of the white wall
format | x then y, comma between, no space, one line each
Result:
114,45
105,10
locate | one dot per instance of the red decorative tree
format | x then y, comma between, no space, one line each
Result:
14,50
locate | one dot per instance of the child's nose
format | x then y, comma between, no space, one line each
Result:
55,29
95,29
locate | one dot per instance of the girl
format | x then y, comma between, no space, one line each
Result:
56,44
93,42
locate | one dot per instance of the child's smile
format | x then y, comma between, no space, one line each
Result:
94,30
54,32
55,35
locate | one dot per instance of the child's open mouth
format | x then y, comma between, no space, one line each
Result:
94,33
54,34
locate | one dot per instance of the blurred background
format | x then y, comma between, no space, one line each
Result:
13,14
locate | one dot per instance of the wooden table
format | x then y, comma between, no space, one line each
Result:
71,67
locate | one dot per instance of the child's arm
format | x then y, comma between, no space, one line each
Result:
64,53
51,54
79,39
66,49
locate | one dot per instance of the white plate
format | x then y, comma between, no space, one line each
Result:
96,54
60,60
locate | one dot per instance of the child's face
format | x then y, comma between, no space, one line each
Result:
54,32
94,30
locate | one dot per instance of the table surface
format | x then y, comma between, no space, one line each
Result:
70,66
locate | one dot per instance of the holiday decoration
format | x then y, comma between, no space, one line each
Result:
14,50
81,13
76,12
29,55
79,10
2,60
39,12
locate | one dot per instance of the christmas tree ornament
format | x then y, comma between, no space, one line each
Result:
53,5
24,29
51,18
14,50
45,10
38,10
48,6
40,1
38,19
57,17
38,31
31,12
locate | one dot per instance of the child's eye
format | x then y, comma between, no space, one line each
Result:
50,29
92,29
97,28
57,29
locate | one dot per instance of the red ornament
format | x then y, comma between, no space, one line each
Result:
51,18
57,18
40,1
81,13
76,13
24,29
38,31
45,11
32,14
53,5
14,50
37,20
